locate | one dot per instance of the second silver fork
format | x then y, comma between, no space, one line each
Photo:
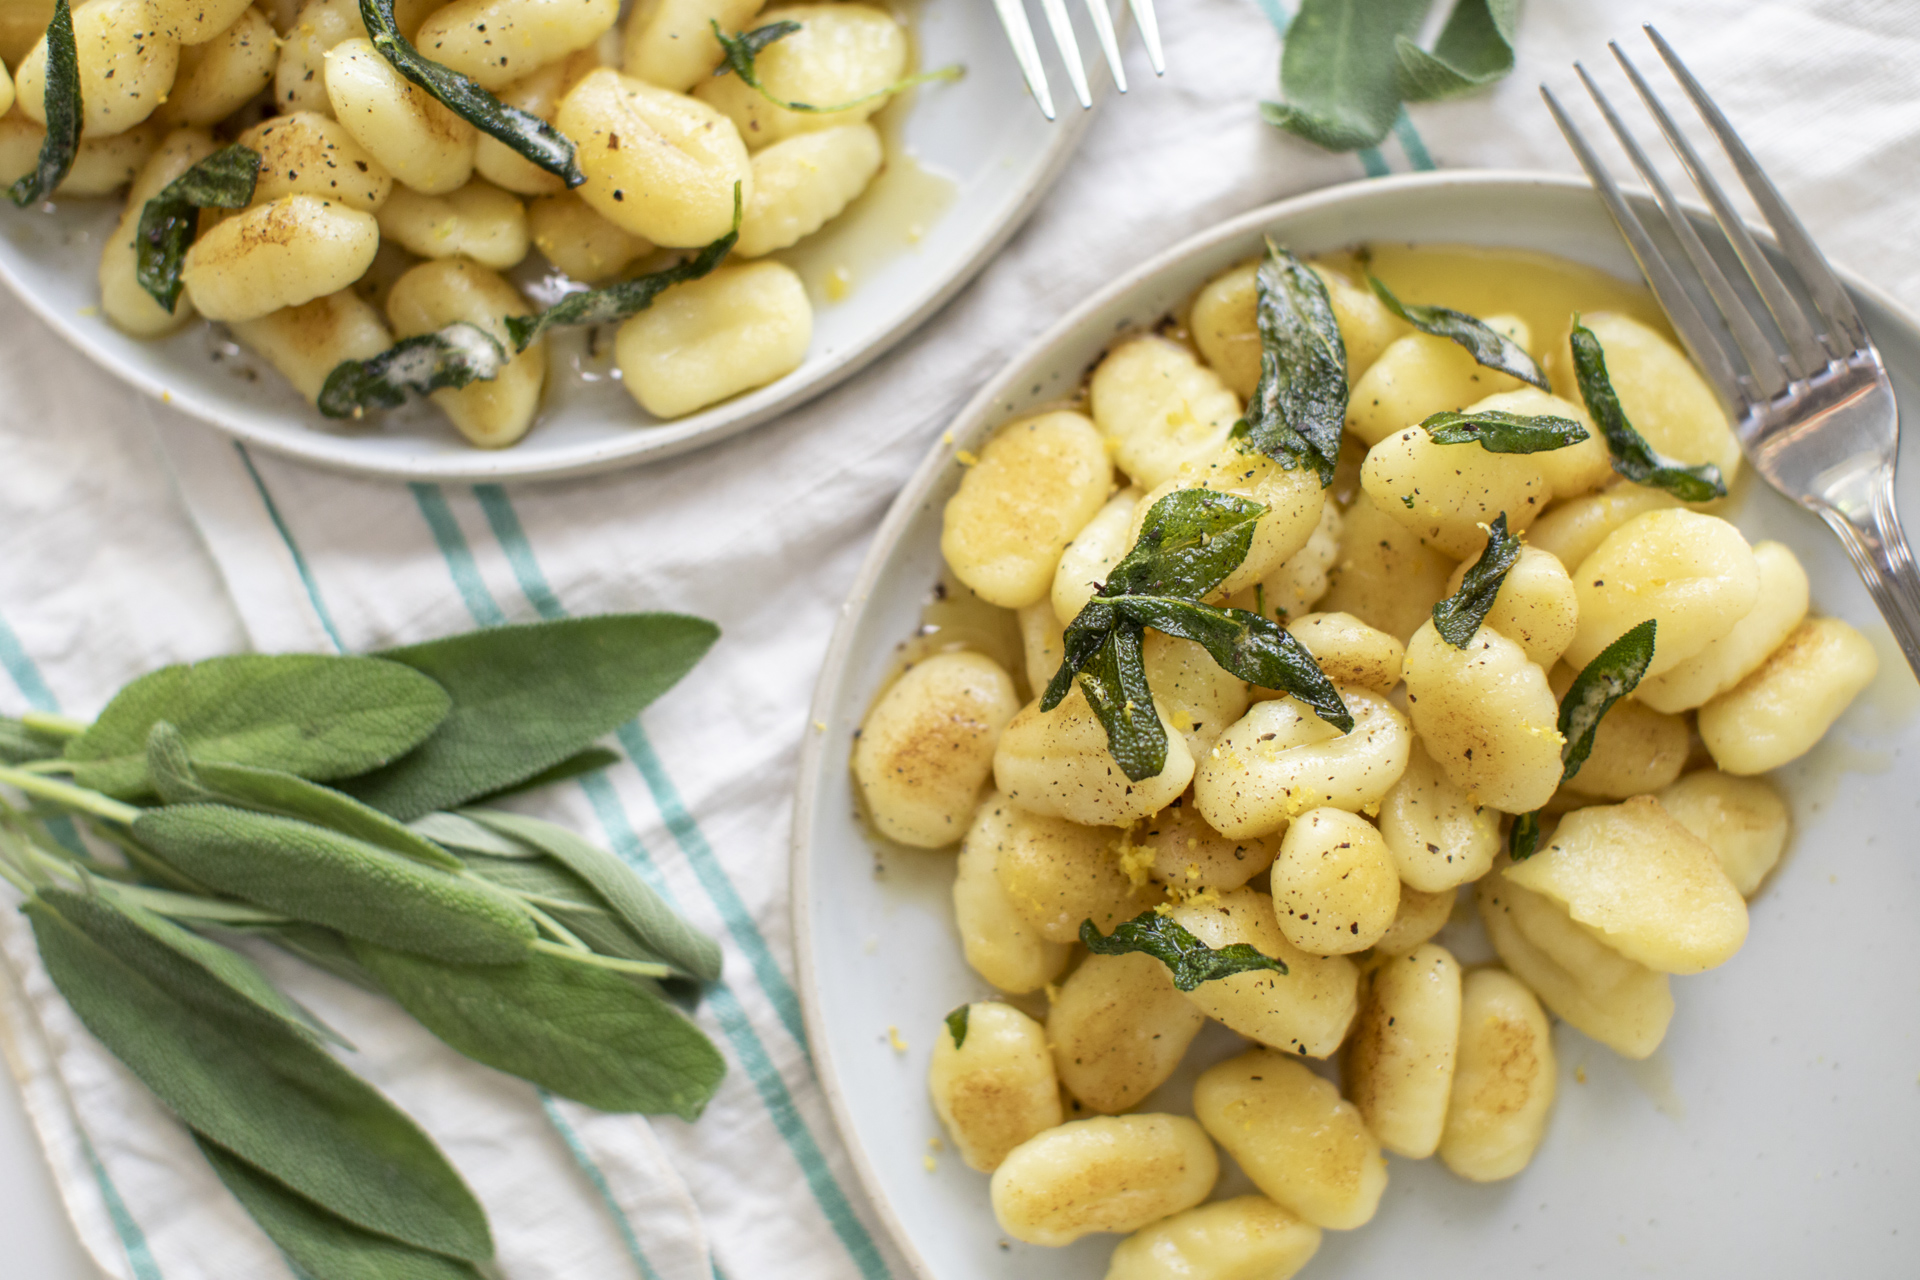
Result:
1013,17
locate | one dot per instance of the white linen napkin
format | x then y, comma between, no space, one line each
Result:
101,576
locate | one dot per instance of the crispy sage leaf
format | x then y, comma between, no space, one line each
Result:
224,180
957,1025
1498,431
65,113
1473,50
1523,838
1611,676
457,356
323,877
639,907
1250,646
323,1245
1633,457
521,131
741,50
584,1033
1458,616
1189,960
21,743
1115,683
1340,70
528,696
627,298
1487,345
316,716
1299,405
265,1092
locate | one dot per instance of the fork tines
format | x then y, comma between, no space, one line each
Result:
1013,16
1765,366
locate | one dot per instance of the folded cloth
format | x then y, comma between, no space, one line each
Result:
102,577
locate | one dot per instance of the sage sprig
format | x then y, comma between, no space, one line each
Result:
65,114
1191,540
741,51
1613,674
1487,345
450,358
1189,960
1633,457
522,131
223,180
1498,431
1458,616
1299,405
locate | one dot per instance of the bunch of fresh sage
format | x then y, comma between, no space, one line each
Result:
338,808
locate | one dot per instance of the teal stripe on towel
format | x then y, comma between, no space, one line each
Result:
293,549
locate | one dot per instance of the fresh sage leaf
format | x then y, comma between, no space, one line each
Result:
323,1245
526,697
1340,70
1189,960
224,180
957,1025
20,743
580,763
170,771
521,131
637,906
264,1092
568,900
1459,616
1299,405
740,52
1523,838
627,298
581,1032
65,113
323,877
453,831
315,716
454,357
1611,676
1498,431
1633,457
322,948
1489,347
1474,49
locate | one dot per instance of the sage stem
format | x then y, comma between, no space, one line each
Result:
566,936
70,796
639,968
54,726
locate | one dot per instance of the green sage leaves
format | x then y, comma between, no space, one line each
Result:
453,357
1498,431
1633,457
1487,345
1473,50
957,1023
522,131
1189,960
65,113
1299,406
224,180
1458,616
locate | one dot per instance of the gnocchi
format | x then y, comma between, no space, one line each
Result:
447,291
1111,1173
927,747
1503,1079
1405,1041
996,1088
704,341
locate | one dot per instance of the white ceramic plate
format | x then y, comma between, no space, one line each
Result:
1773,1134
989,151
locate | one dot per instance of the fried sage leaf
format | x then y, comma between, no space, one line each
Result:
1473,50
743,49
1189,960
1458,616
627,298
267,1093
322,1244
1487,345
65,113
1248,645
224,180
1115,683
1498,431
957,1025
1523,838
1340,70
521,131
584,1033
1633,457
1299,405
316,716
453,357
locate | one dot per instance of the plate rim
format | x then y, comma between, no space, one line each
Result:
976,410
322,449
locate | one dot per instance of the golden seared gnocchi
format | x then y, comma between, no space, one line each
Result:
1446,493
1111,1173
537,94
278,255
495,42
995,1087
1399,1068
1417,919
1334,888
1280,759
1384,576
842,53
420,142
1306,1011
1292,498
1294,588
668,42
803,183
1245,1238
305,343
126,66
708,339
479,221
1037,483
579,241
1782,708
1349,651
492,413
1159,408
1119,1027
131,308
1086,561
1487,716
1190,855
1743,820
1503,1079
216,78
1693,574
306,153
1439,835
1419,375
1725,662
1536,606
1660,391
926,748
1056,762
1000,943
1199,697
1059,874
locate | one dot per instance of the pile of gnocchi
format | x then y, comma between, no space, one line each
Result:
1340,854
357,160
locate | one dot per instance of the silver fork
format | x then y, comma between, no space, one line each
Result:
1013,16
1809,395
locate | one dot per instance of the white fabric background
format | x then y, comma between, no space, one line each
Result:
133,537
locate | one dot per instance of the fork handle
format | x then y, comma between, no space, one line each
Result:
1878,547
